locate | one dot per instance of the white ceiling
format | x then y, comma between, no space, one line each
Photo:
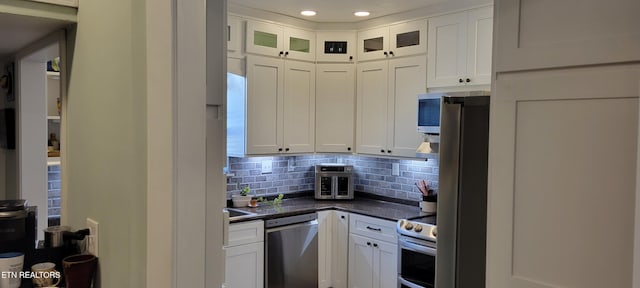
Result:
336,10
17,31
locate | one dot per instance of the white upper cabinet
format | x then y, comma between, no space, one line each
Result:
393,41
299,44
265,93
278,41
406,81
551,34
387,106
335,107
280,113
265,38
336,46
299,107
235,33
408,38
460,48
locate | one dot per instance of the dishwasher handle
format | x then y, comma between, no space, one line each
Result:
293,226
289,220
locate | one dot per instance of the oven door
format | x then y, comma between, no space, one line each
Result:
417,263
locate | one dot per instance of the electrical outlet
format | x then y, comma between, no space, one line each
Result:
395,169
291,165
92,238
267,166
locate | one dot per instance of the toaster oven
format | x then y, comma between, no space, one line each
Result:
334,181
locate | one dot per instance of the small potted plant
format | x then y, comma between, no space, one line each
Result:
243,199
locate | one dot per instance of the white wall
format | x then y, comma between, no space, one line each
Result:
105,169
32,137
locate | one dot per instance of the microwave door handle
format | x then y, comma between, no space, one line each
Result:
334,186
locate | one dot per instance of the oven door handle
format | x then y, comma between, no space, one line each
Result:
404,244
408,284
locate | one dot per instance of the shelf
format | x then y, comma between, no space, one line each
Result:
53,118
53,161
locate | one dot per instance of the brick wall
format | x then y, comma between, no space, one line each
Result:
372,175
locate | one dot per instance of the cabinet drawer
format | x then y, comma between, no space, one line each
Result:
246,232
373,228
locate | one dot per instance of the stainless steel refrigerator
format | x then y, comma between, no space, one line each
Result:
462,192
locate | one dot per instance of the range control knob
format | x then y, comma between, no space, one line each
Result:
418,228
434,231
409,226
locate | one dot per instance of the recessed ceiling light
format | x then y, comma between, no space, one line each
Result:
308,13
361,13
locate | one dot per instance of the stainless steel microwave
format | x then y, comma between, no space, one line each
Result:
430,105
429,113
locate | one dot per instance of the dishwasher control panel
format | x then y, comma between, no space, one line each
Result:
288,220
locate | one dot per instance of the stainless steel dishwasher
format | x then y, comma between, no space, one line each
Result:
291,251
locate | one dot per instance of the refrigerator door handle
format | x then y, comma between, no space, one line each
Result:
450,129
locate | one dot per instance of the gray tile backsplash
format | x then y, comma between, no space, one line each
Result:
296,173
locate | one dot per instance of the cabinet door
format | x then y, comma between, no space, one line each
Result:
245,266
559,109
53,95
235,29
385,267
265,93
340,249
335,107
480,31
265,38
361,262
372,89
336,46
373,44
300,44
553,34
407,79
299,107
408,38
325,237
447,63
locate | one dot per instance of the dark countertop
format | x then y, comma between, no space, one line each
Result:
365,206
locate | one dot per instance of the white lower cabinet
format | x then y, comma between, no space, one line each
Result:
373,263
245,255
333,242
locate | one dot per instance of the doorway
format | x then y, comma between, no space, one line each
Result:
40,90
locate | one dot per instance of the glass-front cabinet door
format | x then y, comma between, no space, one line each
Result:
373,44
408,38
265,38
336,46
273,40
299,44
